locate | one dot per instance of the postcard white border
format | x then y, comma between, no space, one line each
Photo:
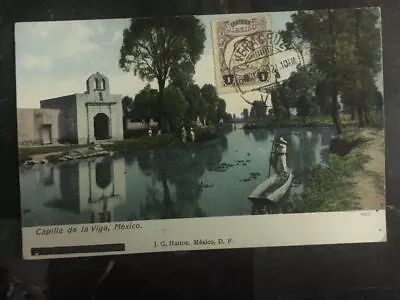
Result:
234,232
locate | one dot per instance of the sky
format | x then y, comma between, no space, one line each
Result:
55,59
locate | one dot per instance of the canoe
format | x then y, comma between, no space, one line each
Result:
271,190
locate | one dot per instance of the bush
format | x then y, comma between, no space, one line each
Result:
140,132
317,121
351,138
329,188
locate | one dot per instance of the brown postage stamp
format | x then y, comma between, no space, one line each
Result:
249,55
234,41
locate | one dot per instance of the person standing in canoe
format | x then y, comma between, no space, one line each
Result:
279,151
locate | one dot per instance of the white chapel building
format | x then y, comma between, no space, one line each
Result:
89,117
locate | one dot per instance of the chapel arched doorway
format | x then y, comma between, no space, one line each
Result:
101,127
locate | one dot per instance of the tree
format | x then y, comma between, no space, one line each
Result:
286,97
276,105
316,28
245,114
378,101
302,85
345,47
368,56
195,101
209,94
202,110
323,94
228,118
175,107
155,48
293,38
182,77
333,74
144,106
126,105
221,110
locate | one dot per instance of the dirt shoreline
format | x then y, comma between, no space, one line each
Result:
41,156
370,183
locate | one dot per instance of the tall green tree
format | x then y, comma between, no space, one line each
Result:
302,86
293,38
276,105
210,96
195,102
286,97
175,107
368,55
333,74
316,28
209,92
182,77
378,101
228,118
126,107
221,110
145,105
155,48
323,94
344,44
245,113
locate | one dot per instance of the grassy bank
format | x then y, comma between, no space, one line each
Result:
145,142
159,141
131,144
351,138
330,187
298,122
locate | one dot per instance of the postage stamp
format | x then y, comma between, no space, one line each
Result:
251,57
233,42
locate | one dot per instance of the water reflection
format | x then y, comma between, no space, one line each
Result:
260,135
92,188
304,150
176,187
204,179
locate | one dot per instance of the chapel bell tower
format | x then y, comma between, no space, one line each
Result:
98,84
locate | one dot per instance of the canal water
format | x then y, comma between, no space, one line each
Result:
207,179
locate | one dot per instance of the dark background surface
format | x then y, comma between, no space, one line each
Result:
362,271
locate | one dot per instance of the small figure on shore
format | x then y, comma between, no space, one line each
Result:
280,152
183,134
192,135
159,132
150,132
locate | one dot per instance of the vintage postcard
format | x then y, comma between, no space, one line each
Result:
212,132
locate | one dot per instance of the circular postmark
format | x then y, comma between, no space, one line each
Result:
259,61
